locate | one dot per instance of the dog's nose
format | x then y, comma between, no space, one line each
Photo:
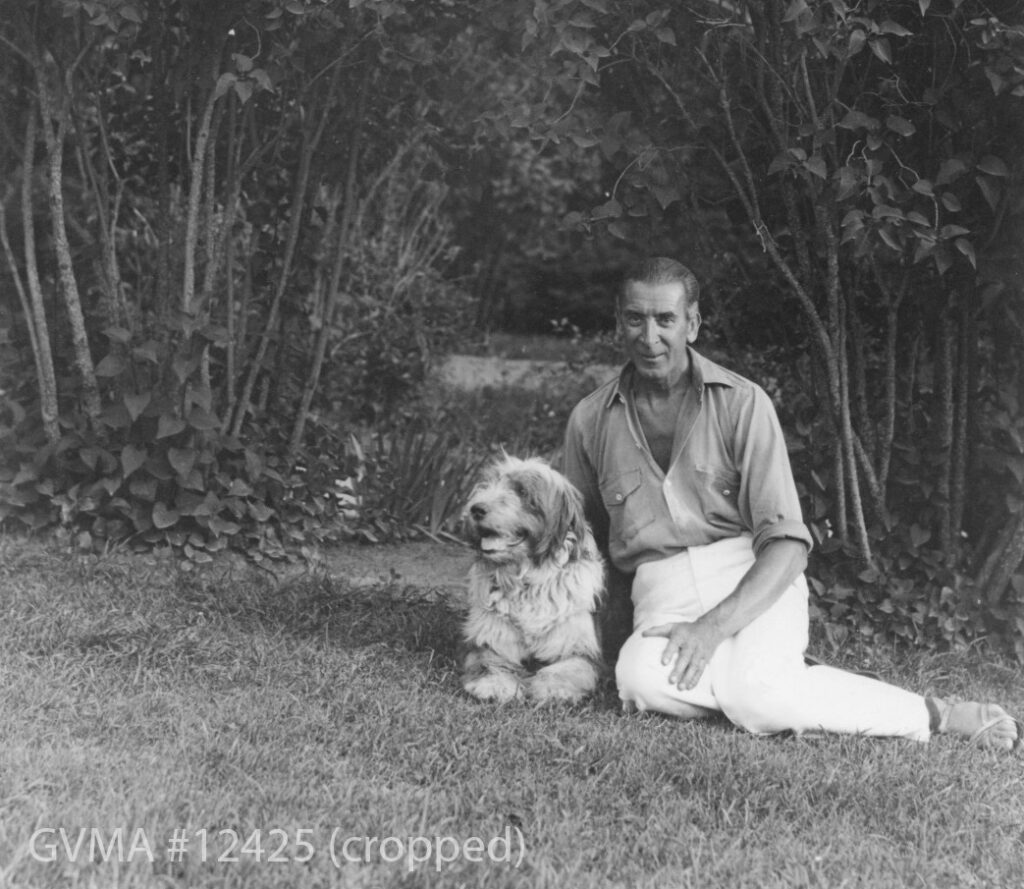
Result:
477,512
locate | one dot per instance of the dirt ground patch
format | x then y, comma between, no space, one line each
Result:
427,566
419,569
472,372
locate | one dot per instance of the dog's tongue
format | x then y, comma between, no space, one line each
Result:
490,544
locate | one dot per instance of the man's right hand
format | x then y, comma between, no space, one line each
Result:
691,646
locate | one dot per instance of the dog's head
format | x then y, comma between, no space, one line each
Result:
524,510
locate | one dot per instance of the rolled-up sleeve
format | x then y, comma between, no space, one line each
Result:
768,501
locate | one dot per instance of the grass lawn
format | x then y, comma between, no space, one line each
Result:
138,698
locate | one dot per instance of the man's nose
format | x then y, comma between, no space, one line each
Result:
650,331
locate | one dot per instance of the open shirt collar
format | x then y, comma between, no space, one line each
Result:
703,372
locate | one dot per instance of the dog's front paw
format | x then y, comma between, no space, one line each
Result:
554,689
500,687
564,681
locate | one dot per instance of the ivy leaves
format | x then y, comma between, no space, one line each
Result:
162,473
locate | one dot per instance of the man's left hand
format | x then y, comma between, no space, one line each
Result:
691,646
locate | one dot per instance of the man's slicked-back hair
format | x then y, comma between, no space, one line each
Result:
663,270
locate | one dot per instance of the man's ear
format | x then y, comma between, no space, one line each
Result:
693,321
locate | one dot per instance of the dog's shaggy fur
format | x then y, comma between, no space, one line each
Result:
534,587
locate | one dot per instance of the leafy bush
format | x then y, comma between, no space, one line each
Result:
401,311
159,471
523,421
917,590
164,463
387,349
416,474
194,489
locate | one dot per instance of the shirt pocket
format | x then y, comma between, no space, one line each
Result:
629,510
719,490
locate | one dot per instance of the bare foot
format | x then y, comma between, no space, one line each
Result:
986,725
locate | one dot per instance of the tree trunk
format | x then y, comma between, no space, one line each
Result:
256,363
332,296
218,235
37,318
197,178
962,399
1003,562
887,433
865,423
164,226
229,322
942,429
913,357
107,212
31,306
841,511
311,141
236,346
837,328
55,136
227,245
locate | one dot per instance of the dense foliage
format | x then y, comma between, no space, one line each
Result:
862,158
236,238
216,204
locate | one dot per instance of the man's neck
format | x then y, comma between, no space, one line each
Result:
661,390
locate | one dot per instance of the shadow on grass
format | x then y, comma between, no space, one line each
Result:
349,617
210,621
392,617
115,613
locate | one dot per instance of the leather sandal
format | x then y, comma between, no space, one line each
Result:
981,737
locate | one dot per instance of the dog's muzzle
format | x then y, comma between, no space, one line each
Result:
487,539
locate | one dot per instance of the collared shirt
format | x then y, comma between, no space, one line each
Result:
729,472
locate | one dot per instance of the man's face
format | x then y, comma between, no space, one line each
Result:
656,325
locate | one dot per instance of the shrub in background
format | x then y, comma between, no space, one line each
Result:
917,590
161,471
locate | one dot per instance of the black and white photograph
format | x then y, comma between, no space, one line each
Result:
512,444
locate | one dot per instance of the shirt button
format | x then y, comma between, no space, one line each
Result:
618,497
726,492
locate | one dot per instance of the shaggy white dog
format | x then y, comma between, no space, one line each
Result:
533,589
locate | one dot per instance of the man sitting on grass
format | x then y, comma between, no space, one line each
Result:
686,479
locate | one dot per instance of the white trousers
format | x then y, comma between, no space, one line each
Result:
758,677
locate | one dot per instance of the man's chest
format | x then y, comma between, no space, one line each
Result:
660,424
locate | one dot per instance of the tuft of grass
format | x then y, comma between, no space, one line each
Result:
138,697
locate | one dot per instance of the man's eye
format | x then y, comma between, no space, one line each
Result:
666,320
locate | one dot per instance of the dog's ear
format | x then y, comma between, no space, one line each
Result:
565,526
